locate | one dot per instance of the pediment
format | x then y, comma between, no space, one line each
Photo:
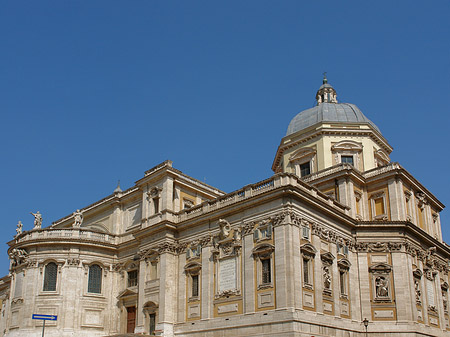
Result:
383,155
417,273
380,268
348,145
327,257
127,293
302,154
308,249
263,248
192,266
344,263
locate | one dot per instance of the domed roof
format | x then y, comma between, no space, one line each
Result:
328,112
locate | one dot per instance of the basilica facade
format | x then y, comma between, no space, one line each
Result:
340,241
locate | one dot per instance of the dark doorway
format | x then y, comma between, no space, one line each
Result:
152,323
131,319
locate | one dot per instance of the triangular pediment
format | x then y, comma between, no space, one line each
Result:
380,268
127,293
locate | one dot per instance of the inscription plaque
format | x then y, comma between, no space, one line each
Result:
227,274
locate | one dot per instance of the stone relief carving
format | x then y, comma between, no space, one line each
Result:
168,247
154,193
73,262
417,291
32,263
378,246
18,256
225,229
382,287
326,278
227,293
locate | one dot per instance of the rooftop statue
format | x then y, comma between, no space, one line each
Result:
37,219
19,228
78,217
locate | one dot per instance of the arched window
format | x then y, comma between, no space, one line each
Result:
50,275
95,279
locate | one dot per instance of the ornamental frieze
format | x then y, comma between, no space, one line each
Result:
73,262
168,247
227,293
378,247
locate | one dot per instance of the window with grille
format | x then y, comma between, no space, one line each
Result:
266,276
305,169
132,278
195,286
95,279
347,160
50,275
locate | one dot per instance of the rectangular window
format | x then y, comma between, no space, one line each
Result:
305,169
347,160
95,279
343,282
306,276
379,206
153,270
132,278
266,270
305,233
156,205
195,286
50,276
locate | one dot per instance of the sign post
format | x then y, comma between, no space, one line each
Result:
44,318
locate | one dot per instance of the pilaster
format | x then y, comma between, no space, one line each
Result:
207,289
283,290
249,274
167,293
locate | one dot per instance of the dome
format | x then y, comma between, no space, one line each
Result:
328,112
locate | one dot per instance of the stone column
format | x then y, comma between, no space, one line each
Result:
167,194
207,283
364,285
403,278
343,193
182,309
282,269
249,274
296,262
394,200
140,316
318,280
167,293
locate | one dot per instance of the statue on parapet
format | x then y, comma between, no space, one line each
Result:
19,228
78,218
37,220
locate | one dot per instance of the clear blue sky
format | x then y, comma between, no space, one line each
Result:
96,91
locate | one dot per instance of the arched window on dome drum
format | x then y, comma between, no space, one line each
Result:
95,279
50,276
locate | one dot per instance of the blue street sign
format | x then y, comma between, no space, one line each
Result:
45,317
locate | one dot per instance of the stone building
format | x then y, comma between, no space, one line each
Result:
337,235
